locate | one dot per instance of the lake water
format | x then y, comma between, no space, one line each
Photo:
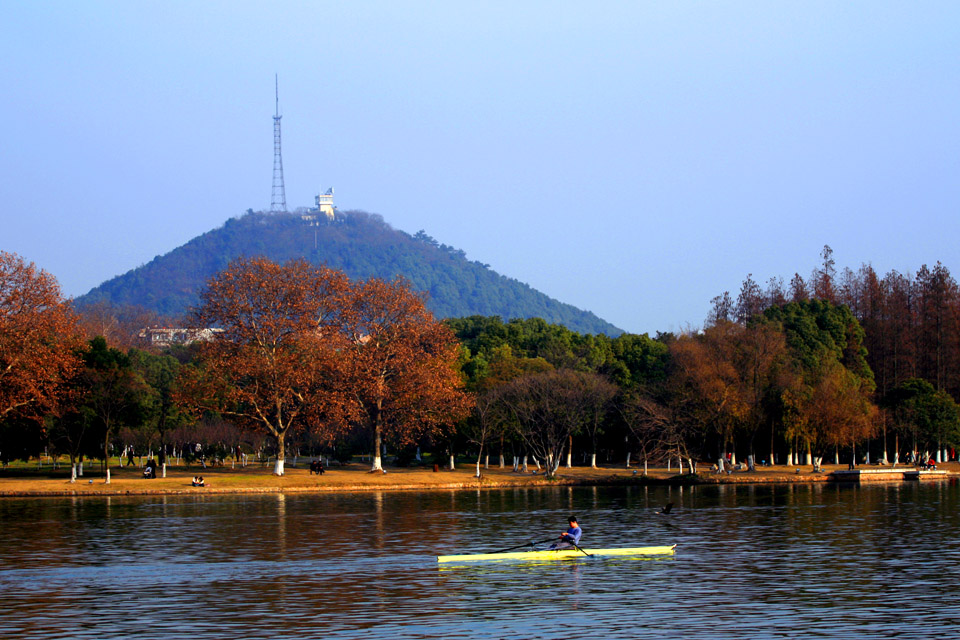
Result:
788,561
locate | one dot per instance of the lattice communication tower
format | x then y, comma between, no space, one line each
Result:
278,199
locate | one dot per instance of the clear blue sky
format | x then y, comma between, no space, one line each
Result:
631,158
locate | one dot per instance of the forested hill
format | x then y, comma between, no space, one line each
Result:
362,245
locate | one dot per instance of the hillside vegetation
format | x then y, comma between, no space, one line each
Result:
363,246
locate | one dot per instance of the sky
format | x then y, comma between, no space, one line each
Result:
634,159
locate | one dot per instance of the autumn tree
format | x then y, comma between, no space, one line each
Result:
38,338
402,365
278,364
707,381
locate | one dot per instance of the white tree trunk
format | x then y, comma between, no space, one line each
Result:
644,466
452,465
593,461
486,461
163,470
516,463
278,467
720,465
628,459
790,458
80,470
680,465
418,455
939,459
733,458
692,465
524,464
537,462
868,456
809,458
836,455
569,459
108,474
73,473
751,465
501,460
478,468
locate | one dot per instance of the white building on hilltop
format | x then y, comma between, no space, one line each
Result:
325,204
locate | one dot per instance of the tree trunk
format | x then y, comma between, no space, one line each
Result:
278,466
501,460
896,449
593,460
73,471
486,462
790,457
644,465
669,462
106,454
809,455
679,465
570,454
452,461
750,463
720,465
525,464
692,464
628,459
377,442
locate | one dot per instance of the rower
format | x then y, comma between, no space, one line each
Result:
570,537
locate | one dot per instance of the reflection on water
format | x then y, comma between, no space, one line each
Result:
752,561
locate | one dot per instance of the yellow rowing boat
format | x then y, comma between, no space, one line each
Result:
559,554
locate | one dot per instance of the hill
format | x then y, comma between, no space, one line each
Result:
359,243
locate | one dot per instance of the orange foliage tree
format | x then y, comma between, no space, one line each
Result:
38,338
404,373
276,367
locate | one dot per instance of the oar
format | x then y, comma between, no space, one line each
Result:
579,549
520,546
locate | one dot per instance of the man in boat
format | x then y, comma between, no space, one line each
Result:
571,537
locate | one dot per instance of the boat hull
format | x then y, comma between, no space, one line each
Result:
559,554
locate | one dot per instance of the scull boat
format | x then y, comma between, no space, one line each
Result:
557,554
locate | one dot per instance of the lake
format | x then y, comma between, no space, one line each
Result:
765,561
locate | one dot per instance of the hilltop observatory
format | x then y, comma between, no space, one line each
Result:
323,209
325,204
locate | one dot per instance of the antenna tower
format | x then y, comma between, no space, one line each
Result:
278,199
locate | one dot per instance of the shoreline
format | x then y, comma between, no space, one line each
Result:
356,478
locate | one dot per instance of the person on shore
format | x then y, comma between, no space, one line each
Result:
571,537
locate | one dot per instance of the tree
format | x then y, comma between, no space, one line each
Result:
277,365
599,394
930,417
38,338
706,379
160,372
549,408
112,393
403,372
